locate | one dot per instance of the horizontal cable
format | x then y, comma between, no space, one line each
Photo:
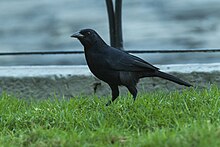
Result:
40,53
174,51
129,51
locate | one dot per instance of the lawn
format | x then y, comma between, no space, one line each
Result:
190,117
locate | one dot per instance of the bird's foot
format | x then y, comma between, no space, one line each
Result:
109,102
134,98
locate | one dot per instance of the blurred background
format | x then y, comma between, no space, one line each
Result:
30,25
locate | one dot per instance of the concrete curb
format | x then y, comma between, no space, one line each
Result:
83,70
70,81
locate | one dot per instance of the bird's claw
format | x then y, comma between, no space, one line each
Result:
109,102
134,98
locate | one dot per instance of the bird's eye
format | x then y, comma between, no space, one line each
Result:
88,33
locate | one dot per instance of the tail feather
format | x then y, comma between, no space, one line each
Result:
172,78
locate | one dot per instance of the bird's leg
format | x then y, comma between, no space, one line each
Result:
133,91
115,94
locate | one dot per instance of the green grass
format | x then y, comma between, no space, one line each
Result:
181,118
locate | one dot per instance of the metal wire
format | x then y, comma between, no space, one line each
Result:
129,51
175,51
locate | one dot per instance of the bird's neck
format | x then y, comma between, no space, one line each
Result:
100,44
97,46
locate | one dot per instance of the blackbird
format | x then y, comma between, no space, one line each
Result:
117,67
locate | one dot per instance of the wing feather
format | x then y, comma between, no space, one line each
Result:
123,61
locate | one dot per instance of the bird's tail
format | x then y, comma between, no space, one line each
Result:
172,78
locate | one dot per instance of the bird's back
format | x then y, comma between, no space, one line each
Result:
113,65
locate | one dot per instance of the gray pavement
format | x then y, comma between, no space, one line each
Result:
42,82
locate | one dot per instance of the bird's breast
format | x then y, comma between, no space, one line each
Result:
100,69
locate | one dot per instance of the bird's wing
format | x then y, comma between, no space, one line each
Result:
122,61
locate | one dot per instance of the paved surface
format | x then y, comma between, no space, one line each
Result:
42,82
45,71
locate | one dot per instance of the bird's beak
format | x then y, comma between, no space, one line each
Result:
77,35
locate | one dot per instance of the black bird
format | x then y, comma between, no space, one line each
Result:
116,67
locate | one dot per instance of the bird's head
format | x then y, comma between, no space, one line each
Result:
87,37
